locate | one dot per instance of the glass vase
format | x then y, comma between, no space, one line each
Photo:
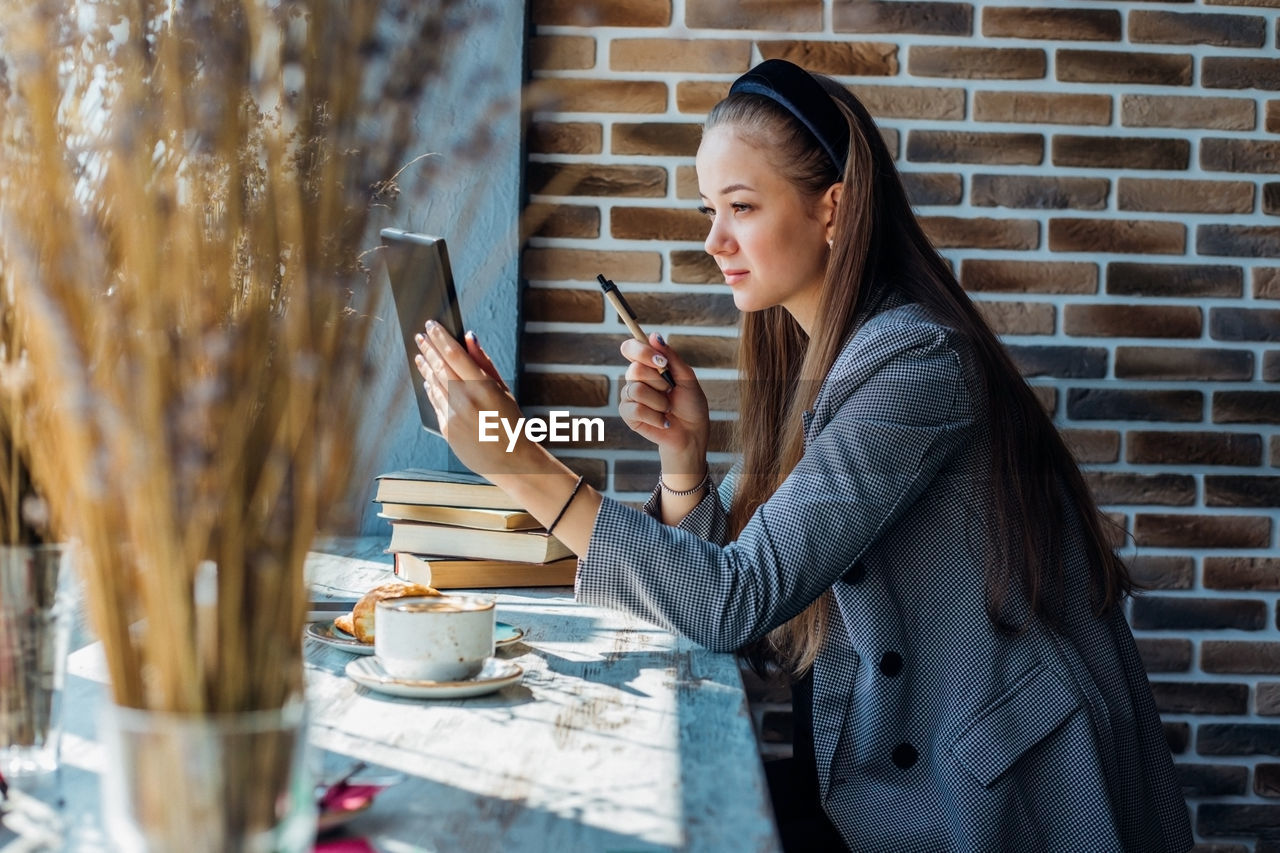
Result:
189,783
37,607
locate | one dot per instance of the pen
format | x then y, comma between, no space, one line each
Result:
628,316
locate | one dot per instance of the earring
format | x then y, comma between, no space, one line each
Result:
831,244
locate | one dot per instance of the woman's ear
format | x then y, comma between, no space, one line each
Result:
827,209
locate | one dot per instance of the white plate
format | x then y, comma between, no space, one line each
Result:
495,675
333,636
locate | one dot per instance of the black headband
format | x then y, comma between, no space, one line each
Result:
801,95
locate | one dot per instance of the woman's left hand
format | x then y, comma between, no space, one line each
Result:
462,382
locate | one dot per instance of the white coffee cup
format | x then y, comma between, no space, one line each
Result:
434,638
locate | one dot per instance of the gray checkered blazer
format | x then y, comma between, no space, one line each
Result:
932,731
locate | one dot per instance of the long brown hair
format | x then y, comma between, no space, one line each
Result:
878,244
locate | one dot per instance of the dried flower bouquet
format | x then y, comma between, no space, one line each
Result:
185,193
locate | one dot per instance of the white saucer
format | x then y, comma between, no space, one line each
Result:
331,635
495,675
504,634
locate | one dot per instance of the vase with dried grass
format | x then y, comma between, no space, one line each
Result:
186,189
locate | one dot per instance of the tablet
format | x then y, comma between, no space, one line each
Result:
422,287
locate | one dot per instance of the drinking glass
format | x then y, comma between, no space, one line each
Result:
37,608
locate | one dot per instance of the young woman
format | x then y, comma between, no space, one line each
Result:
905,526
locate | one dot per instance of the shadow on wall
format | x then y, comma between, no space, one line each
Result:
462,185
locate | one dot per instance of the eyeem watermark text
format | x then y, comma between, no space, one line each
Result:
558,426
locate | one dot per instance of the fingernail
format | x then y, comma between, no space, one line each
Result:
419,337
473,336
419,359
666,424
659,361
661,339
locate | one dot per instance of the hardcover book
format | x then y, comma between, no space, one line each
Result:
450,573
441,488
461,516
527,546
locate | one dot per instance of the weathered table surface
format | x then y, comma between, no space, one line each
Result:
620,737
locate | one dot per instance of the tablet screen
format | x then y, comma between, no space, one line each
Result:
422,287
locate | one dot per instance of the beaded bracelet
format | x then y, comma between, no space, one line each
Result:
560,515
703,483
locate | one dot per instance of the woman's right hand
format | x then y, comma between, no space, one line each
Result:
676,419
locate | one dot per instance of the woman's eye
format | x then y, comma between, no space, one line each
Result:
736,207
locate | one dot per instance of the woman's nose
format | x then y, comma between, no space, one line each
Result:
718,241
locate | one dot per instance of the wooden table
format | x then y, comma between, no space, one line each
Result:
620,737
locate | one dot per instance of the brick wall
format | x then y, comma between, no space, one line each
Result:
1103,177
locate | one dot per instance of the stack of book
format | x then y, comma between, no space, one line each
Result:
452,530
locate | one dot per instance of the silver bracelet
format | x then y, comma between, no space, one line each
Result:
703,483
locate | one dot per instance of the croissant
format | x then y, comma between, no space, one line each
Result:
360,621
